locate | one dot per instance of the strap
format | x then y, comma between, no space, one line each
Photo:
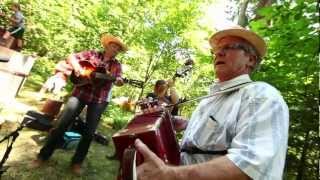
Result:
230,89
21,74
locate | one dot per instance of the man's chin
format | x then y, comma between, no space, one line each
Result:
220,72
222,75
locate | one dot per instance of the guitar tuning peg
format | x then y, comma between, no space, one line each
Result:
184,99
189,62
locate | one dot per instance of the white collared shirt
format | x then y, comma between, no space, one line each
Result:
251,122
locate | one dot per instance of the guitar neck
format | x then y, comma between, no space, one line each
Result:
104,76
132,82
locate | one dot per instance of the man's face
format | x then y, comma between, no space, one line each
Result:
230,59
13,8
113,49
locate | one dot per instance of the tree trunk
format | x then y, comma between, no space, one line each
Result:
243,19
150,69
301,166
147,76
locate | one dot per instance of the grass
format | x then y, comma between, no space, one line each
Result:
29,142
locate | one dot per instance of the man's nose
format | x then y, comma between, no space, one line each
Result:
220,53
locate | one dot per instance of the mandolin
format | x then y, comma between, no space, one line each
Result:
97,76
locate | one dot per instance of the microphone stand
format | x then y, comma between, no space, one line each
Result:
14,136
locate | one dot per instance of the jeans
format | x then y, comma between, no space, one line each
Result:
71,110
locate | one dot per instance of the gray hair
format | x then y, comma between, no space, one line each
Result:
248,48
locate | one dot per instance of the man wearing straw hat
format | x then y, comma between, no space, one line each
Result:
240,131
96,99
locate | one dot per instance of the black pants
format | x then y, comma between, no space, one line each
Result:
16,32
71,110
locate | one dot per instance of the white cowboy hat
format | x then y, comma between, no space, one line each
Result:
107,38
255,40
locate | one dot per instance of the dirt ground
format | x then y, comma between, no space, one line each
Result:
29,142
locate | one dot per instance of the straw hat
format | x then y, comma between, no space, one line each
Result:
255,40
107,38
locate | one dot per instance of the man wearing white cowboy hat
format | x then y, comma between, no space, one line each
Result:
96,99
240,131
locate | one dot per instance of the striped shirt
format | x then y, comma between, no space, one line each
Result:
18,16
90,93
250,122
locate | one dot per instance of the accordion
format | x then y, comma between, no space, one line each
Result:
156,131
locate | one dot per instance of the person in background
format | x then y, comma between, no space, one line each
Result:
240,131
17,29
95,98
165,92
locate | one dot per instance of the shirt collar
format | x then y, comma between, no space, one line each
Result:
113,59
221,86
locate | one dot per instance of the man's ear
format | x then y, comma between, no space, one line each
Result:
252,61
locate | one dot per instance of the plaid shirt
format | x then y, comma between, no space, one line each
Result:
100,94
251,123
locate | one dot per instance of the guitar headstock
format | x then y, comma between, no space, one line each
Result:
185,69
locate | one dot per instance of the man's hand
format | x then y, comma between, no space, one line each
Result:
78,71
172,91
170,83
119,81
152,167
179,123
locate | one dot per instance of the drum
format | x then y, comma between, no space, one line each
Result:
156,131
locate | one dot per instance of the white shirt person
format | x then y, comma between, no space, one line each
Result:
245,122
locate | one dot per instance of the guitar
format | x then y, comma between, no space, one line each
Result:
97,76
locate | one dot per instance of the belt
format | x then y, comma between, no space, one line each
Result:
195,150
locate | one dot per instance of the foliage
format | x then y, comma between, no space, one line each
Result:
116,116
292,65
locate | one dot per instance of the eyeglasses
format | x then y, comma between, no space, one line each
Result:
234,46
